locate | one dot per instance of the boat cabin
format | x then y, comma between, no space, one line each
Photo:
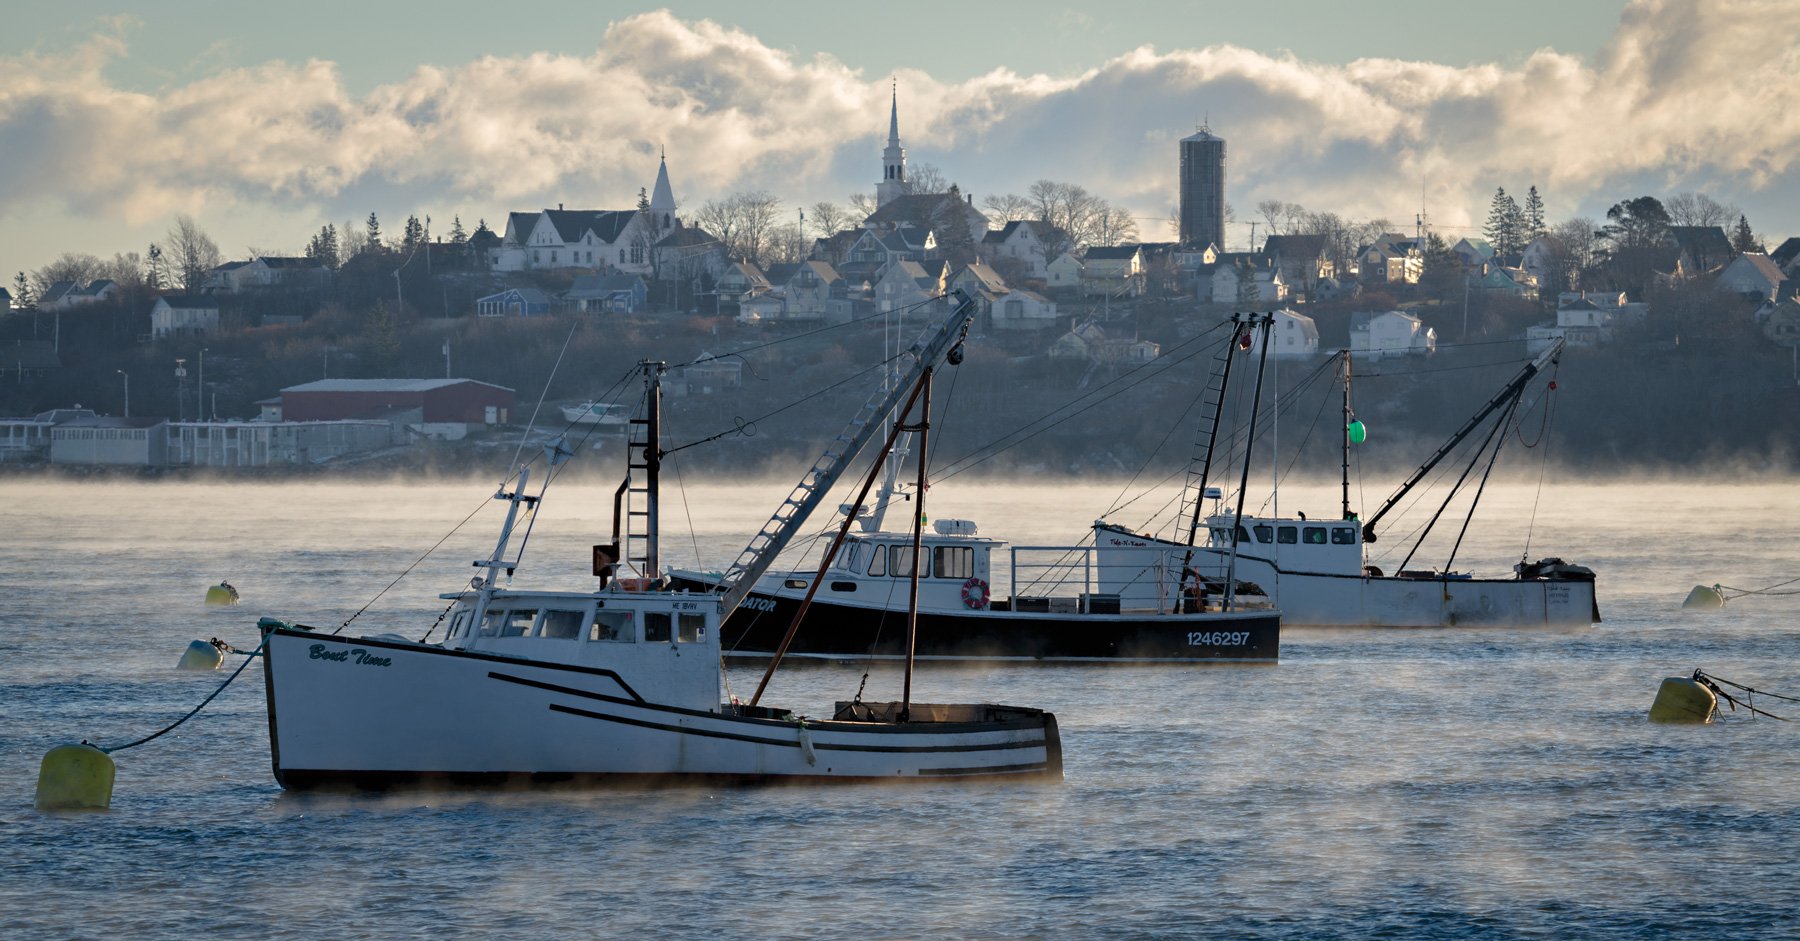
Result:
653,640
956,569
1328,547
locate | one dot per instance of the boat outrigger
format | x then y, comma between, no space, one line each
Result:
619,682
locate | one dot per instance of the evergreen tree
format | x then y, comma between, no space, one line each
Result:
323,248
1534,217
457,234
156,273
374,243
643,200
412,236
1505,224
22,296
1742,239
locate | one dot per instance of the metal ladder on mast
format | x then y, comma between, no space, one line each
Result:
817,482
640,550
1199,470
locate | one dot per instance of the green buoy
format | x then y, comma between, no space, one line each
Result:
1358,433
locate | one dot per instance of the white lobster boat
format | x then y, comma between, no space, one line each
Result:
1316,571
621,682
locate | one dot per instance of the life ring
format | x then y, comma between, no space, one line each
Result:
975,593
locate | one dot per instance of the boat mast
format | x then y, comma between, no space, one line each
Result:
643,454
837,542
918,525
1344,357
1237,525
816,484
1512,391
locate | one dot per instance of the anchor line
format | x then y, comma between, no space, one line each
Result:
193,712
1704,677
1741,592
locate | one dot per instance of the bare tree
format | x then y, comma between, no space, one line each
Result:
924,179
1698,209
744,223
862,205
1113,226
69,266
786,244
192,252
1574,247
829,218
1008,208
127,270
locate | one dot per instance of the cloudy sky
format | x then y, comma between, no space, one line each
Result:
116,117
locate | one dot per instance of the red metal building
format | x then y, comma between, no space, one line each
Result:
438,400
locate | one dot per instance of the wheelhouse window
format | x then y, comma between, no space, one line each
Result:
508,622
900,559
560,625
613,626
659,628
953,561
1287,535
691,628
1264,532
1315,535
877,562
1343,535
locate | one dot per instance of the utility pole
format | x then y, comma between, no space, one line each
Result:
181,388
446,359
200,394
127,390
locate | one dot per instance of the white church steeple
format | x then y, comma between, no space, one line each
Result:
662,197
893,158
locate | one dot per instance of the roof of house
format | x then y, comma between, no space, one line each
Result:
528,295
1707,240
288,261
1762,265
819,269
1786,252
385,385
190,301
1038,228
56,290
687,236
920,209
1294,246
597,285
1111,252
606,224
988,278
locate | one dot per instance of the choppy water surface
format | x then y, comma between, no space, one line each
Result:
1496,783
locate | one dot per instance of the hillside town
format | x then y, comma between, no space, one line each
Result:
335,352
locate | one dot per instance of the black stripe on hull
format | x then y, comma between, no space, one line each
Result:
329,780
830,629
817,746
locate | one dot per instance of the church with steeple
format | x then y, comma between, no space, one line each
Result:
893,158
662,198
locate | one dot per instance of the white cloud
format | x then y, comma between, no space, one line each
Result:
1689,94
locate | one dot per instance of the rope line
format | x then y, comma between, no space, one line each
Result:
196,710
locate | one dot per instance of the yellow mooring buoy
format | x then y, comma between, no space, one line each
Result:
1683,699
202,656
1703,598
75,777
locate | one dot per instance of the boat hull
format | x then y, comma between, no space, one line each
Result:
366,712
836,630
1329,600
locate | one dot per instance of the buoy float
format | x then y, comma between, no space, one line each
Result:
75,777
1683,699
201,655
1703,598
222,594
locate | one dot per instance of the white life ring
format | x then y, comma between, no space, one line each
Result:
975,593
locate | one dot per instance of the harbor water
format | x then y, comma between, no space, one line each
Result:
1493,783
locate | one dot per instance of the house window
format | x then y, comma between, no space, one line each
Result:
535,258
621,256
637,254
553,257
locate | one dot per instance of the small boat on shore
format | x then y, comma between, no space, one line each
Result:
619,682
609,416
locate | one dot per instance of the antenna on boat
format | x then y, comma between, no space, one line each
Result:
1251,322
